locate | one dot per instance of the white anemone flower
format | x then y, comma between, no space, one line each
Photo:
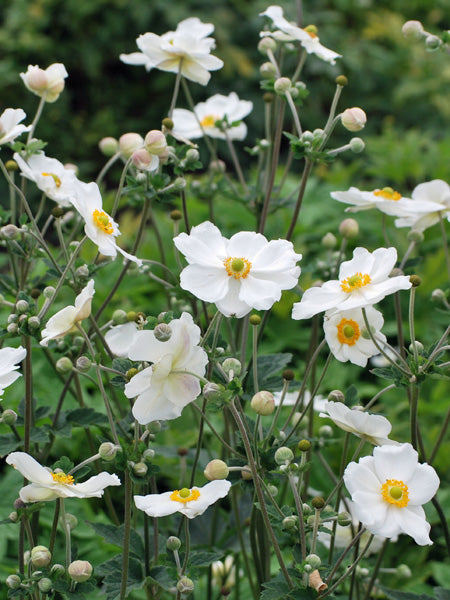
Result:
347,337
387,200
187,49
99,226
388,490
290,399
121,337
172,381
189,502
46,485
289,32
65,321
238,274
363,280
9,357
49,82
430,202
192,125
9,124
372,428
51,176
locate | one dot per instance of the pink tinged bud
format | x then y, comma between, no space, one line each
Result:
353,119
40,556
141,159
80,570
216,469
155,142
349,228
37,80
263,403
129,142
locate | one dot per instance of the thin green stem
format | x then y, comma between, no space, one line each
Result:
37,116
445,243
301,192
66,528
176,89
126,534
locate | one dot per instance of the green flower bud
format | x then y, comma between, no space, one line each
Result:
336,396
119,317
329,241
282,85
217,166
418,345
185,585
325,431
82,272
413,30
415,236
344,519
268,70
304,445
131,373
154,427
11,165
40,556
64,365
213,391
33,323
415,280
362,571
438,296
273,490
107,451
49,292
246,474
13,516
341,80
83,364
12,328
57,212
167,123
313,560
283,456
71,521
162,332
140,469
13,582
173,543
45,585
263,403
57,570
192,155
176,215
80,570
403,571
432,43
290,523
349,228
265,44
22,306
12,318
179,183
108,146
216,469
231,364
9,417
357,145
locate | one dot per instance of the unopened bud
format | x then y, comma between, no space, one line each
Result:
119,317
185,585
353,119
45,585
432,43
263,403
33,323
255,320
83,364
176,215
217,166
57,212
268,97
413,30
12,328
415,236
64,365
179,183
9,232
357,145
192,155
438,296
143,160
290,523
107,451
140,469
283,456
9,417
268,70
129,142
154,427
404,571
213,391
131,315
71,520
162,332
13,582
57,570
282,85
131,373
18,504
148,455
417,345
108,146
216,469
313,560
82,271
415,280
22,306
246,474
329,240
231,364
265,44
173,543
80,570
341,80
49,292
11,165
40,556
349,228
13,516
325,431
336,396
344,519
155,142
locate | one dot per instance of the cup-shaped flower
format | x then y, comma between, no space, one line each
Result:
51,176
49,82
65,321
99,226
172,381
226,109
246,271
10,126
189,502
388,490
289,32
9,357
347,337
363,280
387,200
186,50
372,428
121,337
45,485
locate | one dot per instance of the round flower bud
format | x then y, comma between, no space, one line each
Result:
217,166
13,516
107,451
418,345
268,70
57,212
213,391
231,364
307,568
129,142
255,320
57,570
22,306
167,123
246,474
49,292
329,240
344,519
64,365
357,145
192,155
119,317
37,80
83,364
313,560
45,585
11,165
438,296
154,427
176,215
108,146
265,44
71,521
304,445
273,490
173,543
80,570
155,142
349,228
131,315
263,403
404,571
185,585
18,503
413,30
35,575
283,456
82,272
142,159
33,323
415,236
9,417
148,455
282,85
12,328
432,43
341,80
179,183
162,332
362,571
40,556
13,582
415,280
140,469
9,232
325,431
336,396
290,523
12,318
216,469
353,119
318,502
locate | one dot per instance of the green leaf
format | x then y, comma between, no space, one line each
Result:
268,366
202,558
8,443
164,576
114,535
86,416
441,593
64,463
122,364
395,595
40,434
111,570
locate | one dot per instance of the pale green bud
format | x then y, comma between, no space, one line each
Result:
148,455
282,85
45,585
344,519
9,232
13,582
265,44
9,417
418,345
33,323
107,451
415,236
325,431
192,155
231,364
336,396
432,43
140,469
173,543
349,228
329,240
213,391
273,490
154,427
290,523
404,571
49,292
179,183
162,332
119,317
22,306
80,570
216,469
129,142
83,364
40,556
108,146
413,30
313,560
263,403
155,142
268,70
217,166
185,585
12,318
64,365
57,570
71,521
284,456
357,145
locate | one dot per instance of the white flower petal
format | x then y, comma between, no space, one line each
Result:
95,486
29,468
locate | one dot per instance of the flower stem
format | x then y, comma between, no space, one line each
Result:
66,529
126,534
301,193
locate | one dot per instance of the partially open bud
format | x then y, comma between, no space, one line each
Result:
185,585
129,142
213,391
353,119
282,85
155,142
108,146
143,160
349,228
40,556
283,456
80,570
263,403
232,364
336,396
48,83
216,469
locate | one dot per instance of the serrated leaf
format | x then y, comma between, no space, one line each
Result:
8,443
40,434
164,576
122,364
268,366
441,593
111,570
86,416
203,558
64,463
114,535
396,595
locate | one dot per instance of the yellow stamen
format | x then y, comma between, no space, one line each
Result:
237,267
209,121
185,495
62,478
348,332
55,178
395,492
102,221
354,282
388,194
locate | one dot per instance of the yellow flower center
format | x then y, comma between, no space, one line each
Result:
354,282
102,221
62,478
311,30
55,178
185,495
395,492
236,267
388,194
209,121
348,332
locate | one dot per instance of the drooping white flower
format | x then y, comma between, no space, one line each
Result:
363,280
172,382
288,32
346,334
64,321
388,490
9,124
49,82
51,176
238,274
192,125
121,337
189,502
99,226
290,399
9,357
45,485
430,201
386,200
188,49
373,428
